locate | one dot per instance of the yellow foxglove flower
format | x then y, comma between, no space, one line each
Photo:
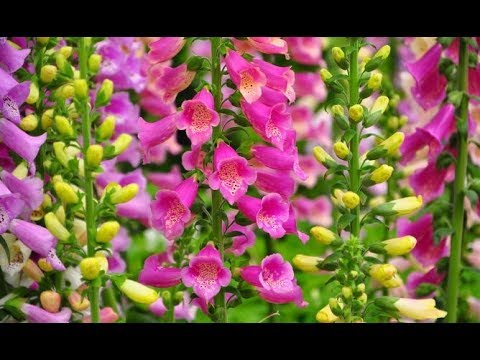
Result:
106,129
322,156
355,112
124,194
104,93
66,192
80,231
394,282
47,119
29,122
138,292
375,81
90,267
325,315
94,62
63,126
21,171
383,52
399,207
341,150
380,104
121,143
60,214
323,235
43,40
107,231
81,88
351,200
66,51
55,227
382,272
307,263
325,74
33,95
400,245
381,174
419,309
94,155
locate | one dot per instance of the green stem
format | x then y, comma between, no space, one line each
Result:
90,205
216,196
109,298
453,282
355,142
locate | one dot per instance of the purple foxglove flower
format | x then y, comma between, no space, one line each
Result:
270,213
164,49
316,211
30,188
18,141
271,123
155,273
246,76
153,134
116,264
206,273
6,161
125,112
121,62
278,78
275,281
198,117
271,97
310,84
158,307
11,205
430,86
11,101
170,81
415,279
232,173
305,50
38,239
440,128
426,252
274,181
36,314
168,181
171,209
11,59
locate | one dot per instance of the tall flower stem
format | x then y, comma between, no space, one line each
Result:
216,196
453,281
355,142
89,203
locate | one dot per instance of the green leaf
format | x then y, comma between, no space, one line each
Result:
345,220
455,97
234,234
348,135
425,289
242,220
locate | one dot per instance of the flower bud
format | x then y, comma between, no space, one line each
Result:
106,129
125,194
33,271
382,272
338,110
325,74
325,315
29,122
63,126
107,231
307,263
351,200
81,88
346,292
47,202
90,267
341,150
402,120
50,301
418,309
387,147
323,235
400,245
55,227
381,174
104,93
94,155
47,119
363,298
121,143
45,265
61,61
393,122
138,292
394,282
77,302
60,214
33,95
94,62
66,51
399,207
102,259
380,104
66,91
323,157
43,40
66,192
60,153
356,112
48,73
383,52
361,287
339,57
375,81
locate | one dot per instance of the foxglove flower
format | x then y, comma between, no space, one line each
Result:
274,181
206,273
30,188
11,59
415,279
155,273
310,84
36,314
12,96
164,49
305,50
156,133
11,206
170,81
269,45
232,173
278,78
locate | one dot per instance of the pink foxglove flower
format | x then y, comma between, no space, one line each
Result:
168,180
275,281
12,96
305,50
415,279
430,181
170,81
232,174
36,314
164,49
310,84
187,309
206,273
278,78
269,45
248,77
155,273
156,133
316,211
107,316
11,206
30,188
11,59
274,181
198,117
171,208
270,213
240,243
158,307
126,114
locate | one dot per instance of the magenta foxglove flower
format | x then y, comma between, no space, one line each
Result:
170,81
156,133
240,243
415,279
155,273
171,208
125,112
116,264
310,84
305,50
430,181
38,239
206,273
278,78
11,206
20,142
107,316
316,211
193,159
270,213
269,45
290,226
272,123
12,96
232,173
430,86
275,281
164,49
198,117
158,307
168,180
440,128
6,161
30,188
426,252
248,77
11,59
312,169
274,181
36,314
302,116
152,103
